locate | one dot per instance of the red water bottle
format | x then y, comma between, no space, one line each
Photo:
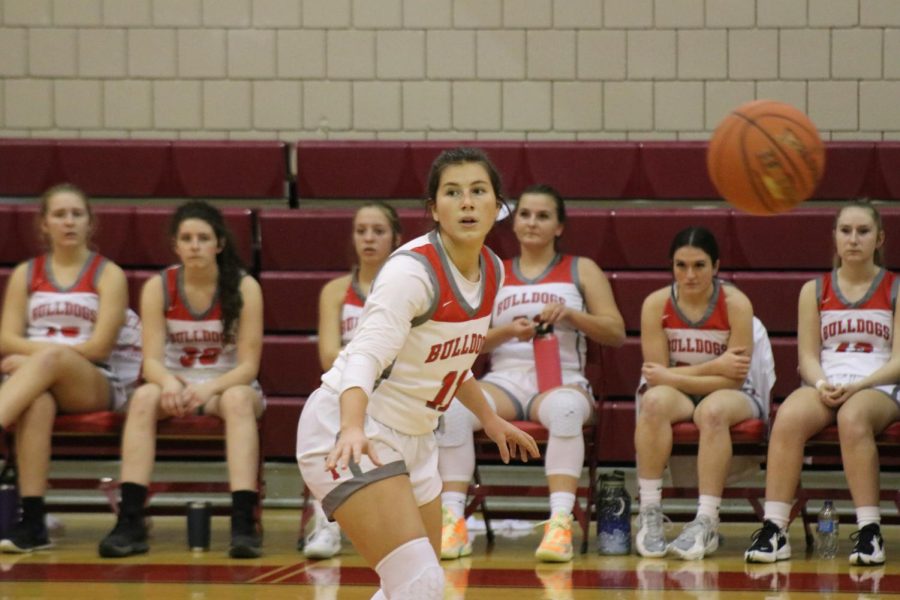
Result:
546,358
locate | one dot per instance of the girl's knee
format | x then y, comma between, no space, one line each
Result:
145,401
238,403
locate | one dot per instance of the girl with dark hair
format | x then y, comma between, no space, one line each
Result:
368,453
849,361
202,343
706,359
61,317
541,286
376,233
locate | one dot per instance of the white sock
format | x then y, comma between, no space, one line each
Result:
709,506
562,502
650,491
777,512
866,515
455,502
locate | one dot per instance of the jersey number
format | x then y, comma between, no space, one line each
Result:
207,356
449,385
854,347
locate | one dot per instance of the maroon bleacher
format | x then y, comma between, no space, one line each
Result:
147,168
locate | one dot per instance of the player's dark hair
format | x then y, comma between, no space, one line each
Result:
696,237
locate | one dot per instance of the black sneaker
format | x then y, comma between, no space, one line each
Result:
126,539
770,544
869,547
245,545
25,538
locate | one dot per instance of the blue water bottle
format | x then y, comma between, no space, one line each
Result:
613,515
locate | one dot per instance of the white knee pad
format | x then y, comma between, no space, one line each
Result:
457,424
564,412
412,572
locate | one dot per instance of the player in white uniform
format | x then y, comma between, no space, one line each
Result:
61,317
849,361
376,233
370,455
202,344
541,285
699,348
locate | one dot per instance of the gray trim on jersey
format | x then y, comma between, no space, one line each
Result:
336,497
868,295
179,282
518,272
48,270
432,308
713,301
354,283
894,288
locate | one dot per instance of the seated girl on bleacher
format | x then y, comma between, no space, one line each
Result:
541,285
61,317
849,361
203,330
376,233
706,359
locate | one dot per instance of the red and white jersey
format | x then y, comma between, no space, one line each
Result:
352,308
523,297
195,349
856,337
693,343
441,337
62,315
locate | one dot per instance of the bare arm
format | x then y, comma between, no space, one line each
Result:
112,289
602,322
14,322
521,329
809,341
331,299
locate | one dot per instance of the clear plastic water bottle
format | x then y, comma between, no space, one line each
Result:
613,515
827,531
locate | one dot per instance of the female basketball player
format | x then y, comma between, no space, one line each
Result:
61,317
698,342
376,233
849,361
541,286
426,317
202,344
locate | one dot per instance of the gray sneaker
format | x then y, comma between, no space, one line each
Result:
650,540
698,538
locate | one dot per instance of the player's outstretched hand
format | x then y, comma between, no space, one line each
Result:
350,446
510,439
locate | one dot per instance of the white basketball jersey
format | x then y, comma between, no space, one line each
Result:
351,309
439,350
62,315
523,297
856,337
693,343
195,346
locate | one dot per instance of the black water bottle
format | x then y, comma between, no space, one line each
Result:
198,525
9,500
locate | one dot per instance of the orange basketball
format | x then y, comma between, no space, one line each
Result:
765,157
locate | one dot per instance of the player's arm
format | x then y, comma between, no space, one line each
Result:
602,322
14,320
331,300
809,341
112,289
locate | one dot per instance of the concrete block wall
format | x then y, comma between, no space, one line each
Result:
442,69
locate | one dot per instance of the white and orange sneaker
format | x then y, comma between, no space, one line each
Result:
455,541
556,546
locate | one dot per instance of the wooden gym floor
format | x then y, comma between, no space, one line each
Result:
72,570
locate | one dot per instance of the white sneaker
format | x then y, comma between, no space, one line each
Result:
698,538
323,542
651,537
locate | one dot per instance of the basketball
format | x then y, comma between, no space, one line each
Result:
765,157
